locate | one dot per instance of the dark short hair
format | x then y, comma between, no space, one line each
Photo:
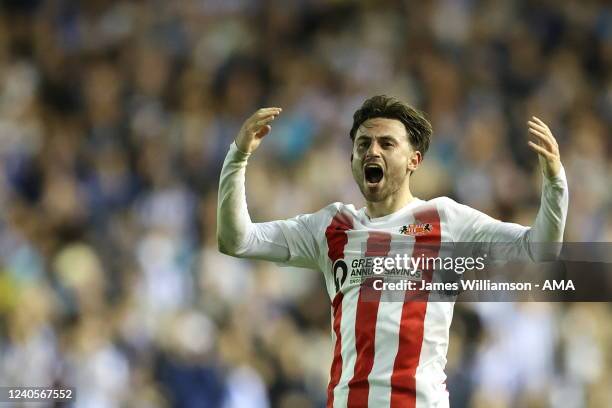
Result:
382,106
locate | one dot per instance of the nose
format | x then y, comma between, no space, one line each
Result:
374,149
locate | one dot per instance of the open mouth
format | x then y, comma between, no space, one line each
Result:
373,173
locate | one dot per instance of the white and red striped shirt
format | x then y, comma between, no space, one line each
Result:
386,353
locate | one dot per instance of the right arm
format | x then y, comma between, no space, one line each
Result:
285,241
236,234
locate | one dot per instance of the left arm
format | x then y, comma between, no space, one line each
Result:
549,224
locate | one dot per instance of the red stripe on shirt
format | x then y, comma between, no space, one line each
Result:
336,237
336,368
403,382
378,244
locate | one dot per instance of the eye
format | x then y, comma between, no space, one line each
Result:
388,145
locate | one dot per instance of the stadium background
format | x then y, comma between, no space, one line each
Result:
115,117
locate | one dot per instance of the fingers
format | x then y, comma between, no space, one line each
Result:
537,124
265,112
542,137
257,126
264,121
261,119
274,108
540,121
254,128
546,146
539,130
541,150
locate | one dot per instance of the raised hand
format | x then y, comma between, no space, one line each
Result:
255,128
546,147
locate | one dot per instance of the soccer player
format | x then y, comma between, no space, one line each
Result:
386,354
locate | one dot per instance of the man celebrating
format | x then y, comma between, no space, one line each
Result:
386,354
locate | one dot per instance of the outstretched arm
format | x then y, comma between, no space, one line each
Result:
550,221
236,234
535,241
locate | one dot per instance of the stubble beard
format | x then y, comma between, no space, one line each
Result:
388,189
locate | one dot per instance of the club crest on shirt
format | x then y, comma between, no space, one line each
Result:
416,229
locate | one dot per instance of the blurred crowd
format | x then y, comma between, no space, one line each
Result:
115,117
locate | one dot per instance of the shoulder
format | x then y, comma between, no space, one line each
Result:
443,200
338,207
451,209
342,213
443,203
448,203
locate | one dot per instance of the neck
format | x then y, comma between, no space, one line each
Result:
391,204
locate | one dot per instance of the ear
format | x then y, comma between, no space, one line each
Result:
415,160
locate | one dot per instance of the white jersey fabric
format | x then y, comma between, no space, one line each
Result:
386,354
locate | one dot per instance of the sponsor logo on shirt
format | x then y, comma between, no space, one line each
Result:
416,229
357,270
340,270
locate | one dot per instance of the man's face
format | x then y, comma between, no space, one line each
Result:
382,158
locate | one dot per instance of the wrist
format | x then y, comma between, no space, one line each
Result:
238,151
559,175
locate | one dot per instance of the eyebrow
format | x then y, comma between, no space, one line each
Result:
366,136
